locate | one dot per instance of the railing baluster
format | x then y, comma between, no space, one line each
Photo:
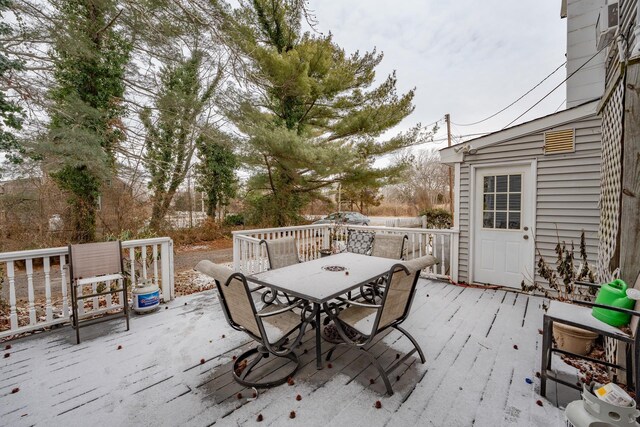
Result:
132,270
108,296
47,289
155,264
144,262
95,304
32,297
443,268
80,301
63,287
13,313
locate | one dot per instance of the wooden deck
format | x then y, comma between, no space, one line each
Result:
173,368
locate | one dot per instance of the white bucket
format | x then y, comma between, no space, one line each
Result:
145,298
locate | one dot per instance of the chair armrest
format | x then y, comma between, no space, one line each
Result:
608,307
290,307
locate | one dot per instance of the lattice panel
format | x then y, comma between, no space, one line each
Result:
610,189
610,177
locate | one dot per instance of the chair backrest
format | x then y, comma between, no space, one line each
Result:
398,294
360,242
95,259
389,246
282,252
235,297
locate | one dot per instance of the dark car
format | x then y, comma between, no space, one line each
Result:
354,218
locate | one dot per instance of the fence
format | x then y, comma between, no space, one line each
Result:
251,257
420,221
39,279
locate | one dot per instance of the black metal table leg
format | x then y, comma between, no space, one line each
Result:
316,308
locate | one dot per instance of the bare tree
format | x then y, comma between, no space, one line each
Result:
424,184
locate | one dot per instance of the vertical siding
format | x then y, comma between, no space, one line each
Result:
628,12
568,188
588,83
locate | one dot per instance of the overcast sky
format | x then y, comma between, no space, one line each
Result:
468,58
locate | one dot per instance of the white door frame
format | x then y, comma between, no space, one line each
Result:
532,187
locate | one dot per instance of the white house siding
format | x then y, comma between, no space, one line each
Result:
568,187
588,83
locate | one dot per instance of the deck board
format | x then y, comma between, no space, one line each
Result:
473,374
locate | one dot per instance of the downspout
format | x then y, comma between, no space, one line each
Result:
635,52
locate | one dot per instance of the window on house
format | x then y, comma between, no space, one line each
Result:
502,201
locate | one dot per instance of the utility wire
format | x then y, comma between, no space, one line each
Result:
559,84
514,102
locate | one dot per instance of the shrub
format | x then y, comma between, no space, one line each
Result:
234,219
438,218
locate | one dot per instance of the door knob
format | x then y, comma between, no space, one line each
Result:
525,237
526,228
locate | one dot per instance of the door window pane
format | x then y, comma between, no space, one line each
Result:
501,220
514,220
489,184
515,183
502,202
501,183
487,220
489,202
514,201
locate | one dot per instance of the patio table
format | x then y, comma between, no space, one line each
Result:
316,282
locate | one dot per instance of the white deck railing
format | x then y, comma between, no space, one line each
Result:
251,257
30,273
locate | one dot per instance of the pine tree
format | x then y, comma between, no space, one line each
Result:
311,115
90,56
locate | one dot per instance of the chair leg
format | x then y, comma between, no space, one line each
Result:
413,341
547,329
382,372
241,372
74,312
636,369
628,362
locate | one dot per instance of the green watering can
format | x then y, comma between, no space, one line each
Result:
614,294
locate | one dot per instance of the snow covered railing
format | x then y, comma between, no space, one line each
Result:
251,257
39,280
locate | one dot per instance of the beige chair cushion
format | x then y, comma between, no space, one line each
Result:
282,252
95,259
241,308
388,246
279,325
398,292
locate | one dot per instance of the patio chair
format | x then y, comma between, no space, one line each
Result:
281,252
360,242
389,246
384,246
579,315
96,263
370,320
271,327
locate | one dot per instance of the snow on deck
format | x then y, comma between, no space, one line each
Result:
480,345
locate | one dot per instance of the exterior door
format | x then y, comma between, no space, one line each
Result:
503,248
